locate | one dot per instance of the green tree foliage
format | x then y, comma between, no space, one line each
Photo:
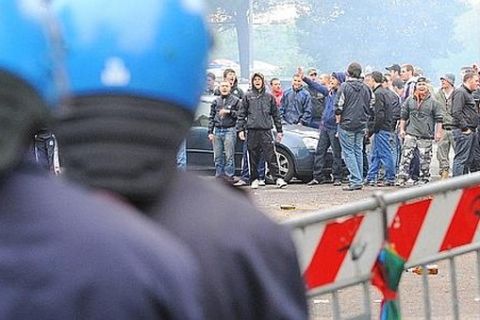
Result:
235,14
378,33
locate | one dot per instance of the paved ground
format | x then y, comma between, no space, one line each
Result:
301,199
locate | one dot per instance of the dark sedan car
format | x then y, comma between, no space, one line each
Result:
295,152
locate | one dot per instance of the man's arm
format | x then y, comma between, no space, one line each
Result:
241,117
379,112
235,107
316,86
438,114
457,110
211,118
277,121
404,116
339,101
307,112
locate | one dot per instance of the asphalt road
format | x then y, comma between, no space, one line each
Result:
301,199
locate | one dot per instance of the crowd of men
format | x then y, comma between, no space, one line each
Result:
381,126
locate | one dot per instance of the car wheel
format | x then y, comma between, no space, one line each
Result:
286,166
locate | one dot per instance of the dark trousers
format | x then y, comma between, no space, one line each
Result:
415,165
463,151
258,142
365,157
473,162
327,139
245,175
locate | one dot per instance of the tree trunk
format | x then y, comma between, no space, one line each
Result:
243,36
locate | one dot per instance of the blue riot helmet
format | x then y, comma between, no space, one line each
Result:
136,70
26,76
156,49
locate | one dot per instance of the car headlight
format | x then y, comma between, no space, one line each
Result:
310,143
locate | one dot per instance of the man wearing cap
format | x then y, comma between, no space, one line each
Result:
421,122
328,133
394,70
465,122
444,97
380,126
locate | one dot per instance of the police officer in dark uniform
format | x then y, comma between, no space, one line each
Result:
129,109
65,253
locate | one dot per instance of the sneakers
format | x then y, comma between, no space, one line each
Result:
386,184
313,182
370,183
410,182
352,188
261,183
401,182
240,183
254,184
337,183
281,183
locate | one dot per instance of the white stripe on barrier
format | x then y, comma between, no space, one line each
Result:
435,225
365,247
307,239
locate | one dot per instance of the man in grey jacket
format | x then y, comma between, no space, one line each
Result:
421,120
444,97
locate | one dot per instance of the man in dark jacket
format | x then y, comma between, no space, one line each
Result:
231,76
296,104
67,253
256,113
318,98
328,133
421,123
352,110
222,132
381,128
465,122
122,137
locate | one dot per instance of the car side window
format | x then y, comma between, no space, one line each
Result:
202,114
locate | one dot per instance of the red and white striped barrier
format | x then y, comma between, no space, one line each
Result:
341,248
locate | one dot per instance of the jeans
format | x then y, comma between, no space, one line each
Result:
463,148
382,154
352,153
327,139
224,151
182,156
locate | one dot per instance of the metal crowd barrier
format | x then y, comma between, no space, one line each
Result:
338,247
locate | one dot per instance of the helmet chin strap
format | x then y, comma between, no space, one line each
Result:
123,144
22,113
